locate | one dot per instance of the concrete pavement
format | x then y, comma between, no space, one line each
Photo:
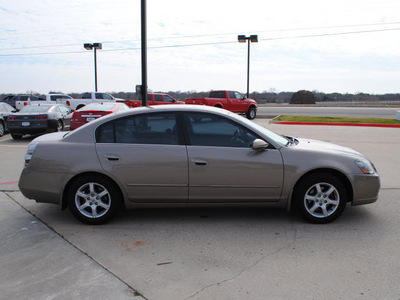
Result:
37,263
208,253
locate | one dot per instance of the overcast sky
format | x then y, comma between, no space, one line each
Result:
345,46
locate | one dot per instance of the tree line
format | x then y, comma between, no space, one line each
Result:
265,97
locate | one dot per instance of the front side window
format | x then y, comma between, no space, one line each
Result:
107,96
141,129
168,99
238,95
211,130
99,96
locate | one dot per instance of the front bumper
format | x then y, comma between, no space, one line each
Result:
365,189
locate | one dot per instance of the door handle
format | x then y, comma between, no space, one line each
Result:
199,162
112,157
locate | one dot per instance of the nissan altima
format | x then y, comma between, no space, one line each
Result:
191,156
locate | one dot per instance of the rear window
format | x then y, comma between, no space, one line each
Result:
217,94
97,107
35,108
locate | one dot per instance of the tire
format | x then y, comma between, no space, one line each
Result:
60,126
320,197
2,128
251,113
16,136
93,200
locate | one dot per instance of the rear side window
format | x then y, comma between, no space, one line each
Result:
86,96
217,94
141,129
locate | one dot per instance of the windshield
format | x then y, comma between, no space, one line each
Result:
281,140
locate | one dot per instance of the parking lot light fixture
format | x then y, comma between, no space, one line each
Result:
243,39
94,46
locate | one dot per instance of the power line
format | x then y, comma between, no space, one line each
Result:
210,43
211,35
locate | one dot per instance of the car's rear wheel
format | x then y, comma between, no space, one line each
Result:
320,197
60,126
93,199
16,136
251,113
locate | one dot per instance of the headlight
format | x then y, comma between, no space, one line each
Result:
365,166
29,153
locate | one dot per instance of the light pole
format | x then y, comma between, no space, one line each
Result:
94,46
144,52
243,39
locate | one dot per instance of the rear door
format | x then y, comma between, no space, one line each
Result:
144,153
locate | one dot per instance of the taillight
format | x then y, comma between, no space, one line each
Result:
41,117
29,153
12,117
25,103
68,103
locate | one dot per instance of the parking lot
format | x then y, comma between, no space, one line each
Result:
206,253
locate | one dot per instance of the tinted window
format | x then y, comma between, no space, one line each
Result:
141,129
86,96
211,130
99,96
158,98
217,94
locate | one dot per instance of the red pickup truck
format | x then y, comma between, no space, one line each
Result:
230,100
154,99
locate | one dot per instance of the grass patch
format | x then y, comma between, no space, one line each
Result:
285,118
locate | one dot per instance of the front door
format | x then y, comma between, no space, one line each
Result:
223,168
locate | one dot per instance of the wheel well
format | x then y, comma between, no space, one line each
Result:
339,175
64,200
218,105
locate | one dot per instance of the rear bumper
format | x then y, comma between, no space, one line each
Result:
35,185
34,128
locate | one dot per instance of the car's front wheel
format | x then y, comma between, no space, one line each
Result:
93,199
321,197
2,129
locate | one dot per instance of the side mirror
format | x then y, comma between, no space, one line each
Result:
259,145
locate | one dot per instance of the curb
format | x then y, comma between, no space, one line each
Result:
339,124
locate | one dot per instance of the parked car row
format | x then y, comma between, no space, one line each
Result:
229,100
41,115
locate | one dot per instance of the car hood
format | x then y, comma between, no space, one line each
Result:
320,146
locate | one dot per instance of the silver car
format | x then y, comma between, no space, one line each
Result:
190,156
